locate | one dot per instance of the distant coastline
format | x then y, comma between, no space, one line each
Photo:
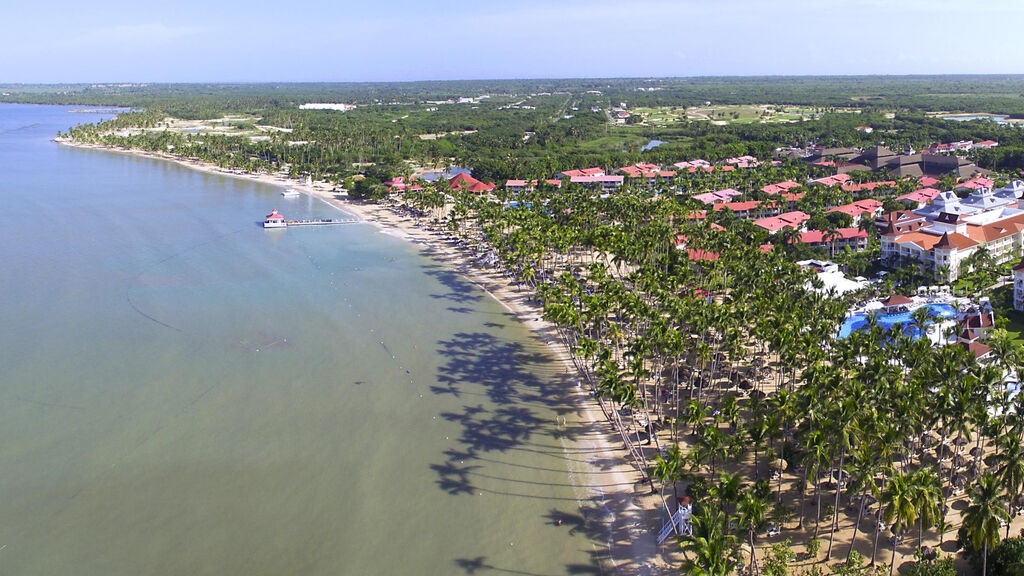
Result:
97,110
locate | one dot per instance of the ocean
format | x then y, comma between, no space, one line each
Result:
184,392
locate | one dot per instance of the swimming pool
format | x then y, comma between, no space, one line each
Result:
936,312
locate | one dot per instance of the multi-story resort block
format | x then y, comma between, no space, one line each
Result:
940,235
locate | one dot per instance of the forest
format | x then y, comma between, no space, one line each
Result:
535,128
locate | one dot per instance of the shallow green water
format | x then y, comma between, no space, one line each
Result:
183,392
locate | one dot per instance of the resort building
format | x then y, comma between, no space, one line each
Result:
794,220
602,183
717,196
836,180
856,210
842,238
1018,286
954,229
637,170
867,186
463,181
919,198
517,186
780,188
750,209
583,172
651,174
899,221
692,166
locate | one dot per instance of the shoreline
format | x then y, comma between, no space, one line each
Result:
627,514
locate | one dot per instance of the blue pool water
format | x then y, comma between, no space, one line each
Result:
887,321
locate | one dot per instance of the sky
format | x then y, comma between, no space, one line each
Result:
56,41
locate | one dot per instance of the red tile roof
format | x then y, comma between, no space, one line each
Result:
920,196
787,220
780,187
859,207
854,187
818,236
954,240
896,300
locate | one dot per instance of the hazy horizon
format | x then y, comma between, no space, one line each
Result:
404,41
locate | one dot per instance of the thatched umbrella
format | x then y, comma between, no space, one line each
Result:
960,441
959,480
978,468
929,439
778,464
977,451
959,461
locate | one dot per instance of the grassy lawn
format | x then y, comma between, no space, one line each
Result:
1002,303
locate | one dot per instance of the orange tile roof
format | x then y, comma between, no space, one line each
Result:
922,240
955,240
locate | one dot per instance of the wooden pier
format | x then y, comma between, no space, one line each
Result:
322,222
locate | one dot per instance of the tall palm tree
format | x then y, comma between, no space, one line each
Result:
753,514
710,551
927,497
900,511
1010,471
983,515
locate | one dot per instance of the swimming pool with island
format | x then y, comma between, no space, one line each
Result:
856,322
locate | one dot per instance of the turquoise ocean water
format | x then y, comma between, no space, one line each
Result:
184,392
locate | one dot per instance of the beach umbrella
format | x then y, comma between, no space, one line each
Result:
778,464
943,452
978,469
757,393
746,384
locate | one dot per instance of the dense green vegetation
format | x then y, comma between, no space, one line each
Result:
535,128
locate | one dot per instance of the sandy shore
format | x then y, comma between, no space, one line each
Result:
619,508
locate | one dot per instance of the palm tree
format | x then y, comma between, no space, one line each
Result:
927,497
1010,471
753,513
900,511
712,548
668,469
863,478
982,517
